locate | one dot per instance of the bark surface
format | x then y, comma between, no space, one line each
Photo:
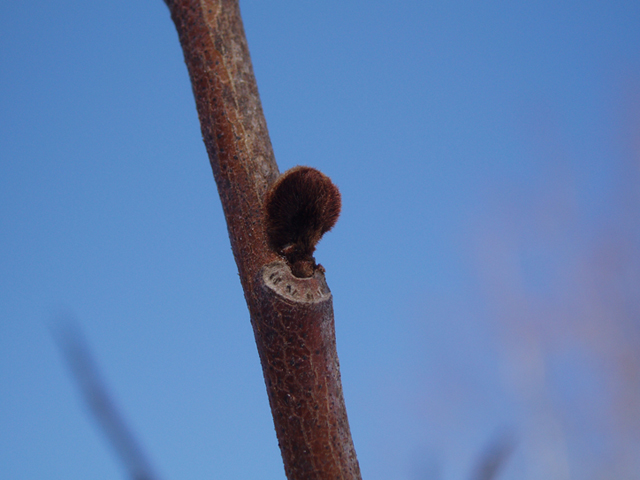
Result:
292,318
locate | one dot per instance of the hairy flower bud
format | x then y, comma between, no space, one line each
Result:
301,206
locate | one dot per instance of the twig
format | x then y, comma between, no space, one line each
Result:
494,457
292,317
93,389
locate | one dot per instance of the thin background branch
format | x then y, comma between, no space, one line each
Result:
103,408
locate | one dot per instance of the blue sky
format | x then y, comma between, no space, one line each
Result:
484,269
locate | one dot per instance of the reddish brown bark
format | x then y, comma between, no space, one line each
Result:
292,318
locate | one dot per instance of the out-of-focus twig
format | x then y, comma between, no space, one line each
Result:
494,457
73,346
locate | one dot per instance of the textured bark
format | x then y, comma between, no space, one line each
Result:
292,318
297,348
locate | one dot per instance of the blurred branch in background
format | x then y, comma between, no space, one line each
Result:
494,457
559,265
84,369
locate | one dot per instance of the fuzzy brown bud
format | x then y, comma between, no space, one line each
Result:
301,206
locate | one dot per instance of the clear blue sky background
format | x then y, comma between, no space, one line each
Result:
484,270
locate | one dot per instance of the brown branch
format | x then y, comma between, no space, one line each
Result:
292,317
